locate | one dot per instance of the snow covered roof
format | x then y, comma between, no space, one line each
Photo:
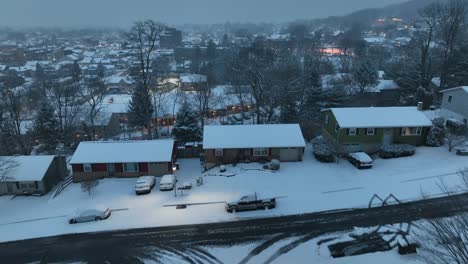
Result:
252,136
127,151
380,117
192,78
464,88
27,168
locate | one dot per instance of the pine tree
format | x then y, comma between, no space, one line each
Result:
76,72
46,127
186,128
436,135
211,50
100,71
141,108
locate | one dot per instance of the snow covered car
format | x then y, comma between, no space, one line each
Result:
360,160
251,201
167,182
88,215
144,184
462,150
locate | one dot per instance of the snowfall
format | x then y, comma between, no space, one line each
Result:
304,187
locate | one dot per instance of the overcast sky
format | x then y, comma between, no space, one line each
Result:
66,13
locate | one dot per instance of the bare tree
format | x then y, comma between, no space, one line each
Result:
445,240
425,37
143,37
452,22
63,95
6,166
15,108
93,91
201,97
455,134
89,186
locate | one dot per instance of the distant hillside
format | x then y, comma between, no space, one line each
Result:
407,10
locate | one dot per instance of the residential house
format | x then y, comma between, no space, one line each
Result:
231,144
455,104
368,128
102,159
31,174
189,82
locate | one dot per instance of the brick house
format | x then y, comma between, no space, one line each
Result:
97,160
237,143
368,128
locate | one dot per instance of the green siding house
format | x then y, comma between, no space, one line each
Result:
368,128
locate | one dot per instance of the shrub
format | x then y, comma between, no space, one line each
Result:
322,150
274,164
396,151
436,135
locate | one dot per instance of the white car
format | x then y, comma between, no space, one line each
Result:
167,182
88,215
144,184
360,160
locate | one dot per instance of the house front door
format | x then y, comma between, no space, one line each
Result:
387,136
111,169
10,187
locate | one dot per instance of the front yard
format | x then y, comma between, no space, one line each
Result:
306,186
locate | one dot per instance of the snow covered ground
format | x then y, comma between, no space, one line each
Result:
307,186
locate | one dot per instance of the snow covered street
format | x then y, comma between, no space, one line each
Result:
307,186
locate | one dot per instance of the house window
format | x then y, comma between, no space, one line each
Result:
31,185
411,131
449,99
370,131
352,131
130,167
327,119
260,152
24,185
87,167
218,152
337,127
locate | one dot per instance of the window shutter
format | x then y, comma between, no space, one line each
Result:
357,131
347,132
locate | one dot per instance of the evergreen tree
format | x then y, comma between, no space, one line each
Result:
7,138
46,127
196,60
100,71
186,128
76,72
141,108
211,50
39,75
436,135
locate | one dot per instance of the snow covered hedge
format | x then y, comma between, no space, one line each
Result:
396,151
322,150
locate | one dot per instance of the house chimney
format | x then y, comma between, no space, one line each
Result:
420,106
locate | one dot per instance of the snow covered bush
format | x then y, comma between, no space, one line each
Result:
322,150
396,151
436,135
274,164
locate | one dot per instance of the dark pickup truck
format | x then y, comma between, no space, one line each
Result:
251,202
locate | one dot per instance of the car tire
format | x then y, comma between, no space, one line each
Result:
266,206
72,221
234,209
97,218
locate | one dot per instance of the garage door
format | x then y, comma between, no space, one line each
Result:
289,154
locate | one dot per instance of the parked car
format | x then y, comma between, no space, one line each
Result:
462,150
360,160
167,182
251,202
144,184
91,214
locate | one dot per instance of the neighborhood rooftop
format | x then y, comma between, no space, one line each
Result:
465,88
120,152
380,117
252,136
27,168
